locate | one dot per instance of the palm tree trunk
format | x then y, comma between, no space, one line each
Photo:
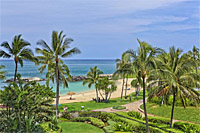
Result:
15,76
122,89
97,99
144,105
126,84
57,89
172,113
109,96
100,94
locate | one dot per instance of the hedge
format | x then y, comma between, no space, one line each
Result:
159,120
131,125
135,114
187,127
98,114
94,121
110,128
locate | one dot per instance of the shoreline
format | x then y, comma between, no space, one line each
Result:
89,94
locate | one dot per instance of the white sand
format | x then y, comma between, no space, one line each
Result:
88,95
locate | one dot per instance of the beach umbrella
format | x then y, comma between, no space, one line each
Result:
71,93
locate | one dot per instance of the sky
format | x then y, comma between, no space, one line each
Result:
103,29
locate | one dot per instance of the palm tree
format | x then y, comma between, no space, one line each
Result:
178,78
107,86
122,70
2,73
137,82
92,79
195,56
143,62
51,57
18,50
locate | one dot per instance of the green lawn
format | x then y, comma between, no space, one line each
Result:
79,127
191,114
91,105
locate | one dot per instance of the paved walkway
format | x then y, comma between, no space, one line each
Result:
129,107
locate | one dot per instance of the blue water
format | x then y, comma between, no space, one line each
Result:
76,67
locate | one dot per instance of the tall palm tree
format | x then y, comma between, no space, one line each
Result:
143,62
92,79
178,78
51,57
195,56
18,50
2,73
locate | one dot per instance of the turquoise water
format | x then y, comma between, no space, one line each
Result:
77,67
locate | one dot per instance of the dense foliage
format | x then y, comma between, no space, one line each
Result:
107,86
27,105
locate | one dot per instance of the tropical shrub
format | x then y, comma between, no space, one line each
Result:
66,115
90,114
27,106
135,114
119,107
97,122
103,117
131,125
81,119
187,127
110,128
94,121
159,120
98,114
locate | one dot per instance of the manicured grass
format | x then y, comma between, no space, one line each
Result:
79,127
91,105
191,114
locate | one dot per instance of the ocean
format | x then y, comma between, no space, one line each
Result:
76,67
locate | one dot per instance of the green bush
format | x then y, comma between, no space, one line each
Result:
99,115
66,115
46,128
119,107
81,119
94,121
103,117
97,122
110,128
187,127
90,114
132,125
159,120
135,114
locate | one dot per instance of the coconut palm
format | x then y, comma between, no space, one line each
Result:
178,78
143,62
2,73
51,57
92,79
137,82
106,86
195,57
18,50
122,70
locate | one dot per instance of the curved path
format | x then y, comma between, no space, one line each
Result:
129,107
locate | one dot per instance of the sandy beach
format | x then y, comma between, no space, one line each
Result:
88,95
